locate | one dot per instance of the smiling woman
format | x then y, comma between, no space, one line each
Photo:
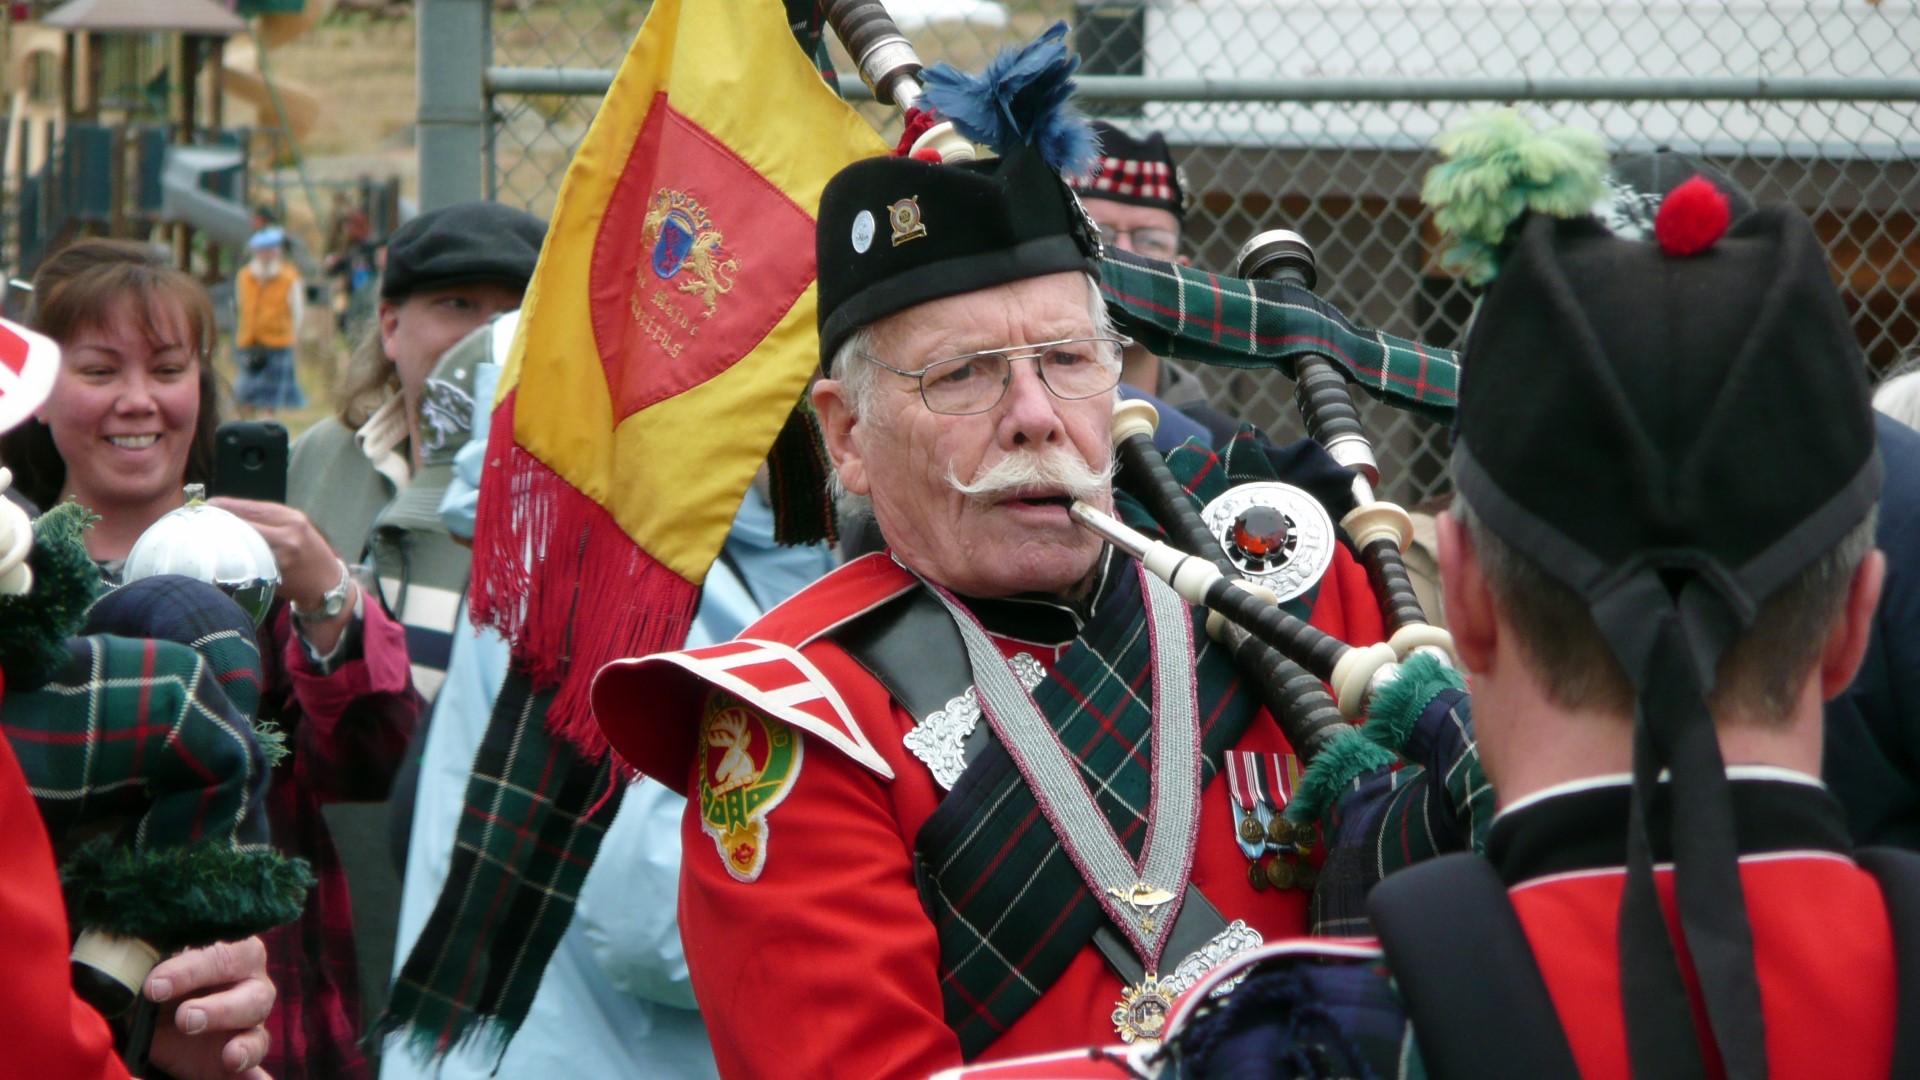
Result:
129,422
132,414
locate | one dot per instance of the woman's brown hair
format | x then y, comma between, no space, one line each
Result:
80,288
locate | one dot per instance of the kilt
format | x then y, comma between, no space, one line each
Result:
267,379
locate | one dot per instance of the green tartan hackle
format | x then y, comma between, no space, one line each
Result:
182,897
1188,314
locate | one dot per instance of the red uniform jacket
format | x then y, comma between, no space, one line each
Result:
824,964
53,1035
1823,945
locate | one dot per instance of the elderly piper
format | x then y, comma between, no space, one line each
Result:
969,797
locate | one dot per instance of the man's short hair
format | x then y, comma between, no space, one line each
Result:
1760,675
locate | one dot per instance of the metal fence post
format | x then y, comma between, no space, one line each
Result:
454,44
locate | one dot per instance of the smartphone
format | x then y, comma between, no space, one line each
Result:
250,460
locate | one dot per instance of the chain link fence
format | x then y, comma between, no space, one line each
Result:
1315,115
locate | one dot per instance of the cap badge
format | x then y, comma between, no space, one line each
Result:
904,216
863,231
1085,229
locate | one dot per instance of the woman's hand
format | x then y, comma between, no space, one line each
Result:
309,568
216,1000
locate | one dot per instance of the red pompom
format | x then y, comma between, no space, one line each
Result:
928,153
1691,218
918,121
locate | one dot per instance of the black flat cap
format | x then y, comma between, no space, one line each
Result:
895,232
461,244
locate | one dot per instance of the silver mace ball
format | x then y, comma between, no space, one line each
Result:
208,544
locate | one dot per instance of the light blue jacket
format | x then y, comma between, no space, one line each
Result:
616,1000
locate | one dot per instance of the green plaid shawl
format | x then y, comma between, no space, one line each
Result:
1008,906
1187,314
535,815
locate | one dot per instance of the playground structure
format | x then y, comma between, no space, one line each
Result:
118,120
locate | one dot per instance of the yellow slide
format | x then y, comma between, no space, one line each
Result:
244,81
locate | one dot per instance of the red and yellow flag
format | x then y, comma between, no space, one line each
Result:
666,335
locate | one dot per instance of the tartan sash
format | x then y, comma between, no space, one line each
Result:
1189,314
1009,907
534,816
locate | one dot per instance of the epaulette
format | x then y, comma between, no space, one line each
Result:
783,684
650,706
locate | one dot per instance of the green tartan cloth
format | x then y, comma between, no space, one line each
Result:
1187,314
138,729
137,735
534,817
1436,802
1009,908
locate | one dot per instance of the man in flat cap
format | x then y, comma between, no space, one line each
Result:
1138,197
1660,563
361,667
969,798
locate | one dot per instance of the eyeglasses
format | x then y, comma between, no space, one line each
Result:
975,382
1146,240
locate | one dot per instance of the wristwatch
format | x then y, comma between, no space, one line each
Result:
332,602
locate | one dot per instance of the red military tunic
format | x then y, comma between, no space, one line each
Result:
825,964
53,1035
1823,945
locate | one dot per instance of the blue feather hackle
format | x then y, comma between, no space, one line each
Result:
1020,99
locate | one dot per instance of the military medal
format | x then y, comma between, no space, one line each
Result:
1280,771
1249,808
1280,873
1141,898
1143,1010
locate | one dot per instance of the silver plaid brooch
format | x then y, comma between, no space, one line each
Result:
940,740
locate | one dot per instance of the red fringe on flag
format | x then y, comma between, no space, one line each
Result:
558,577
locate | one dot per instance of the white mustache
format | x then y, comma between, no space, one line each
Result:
1057,469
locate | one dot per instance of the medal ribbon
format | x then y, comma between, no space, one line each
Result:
1243,780
1280,790
1142,899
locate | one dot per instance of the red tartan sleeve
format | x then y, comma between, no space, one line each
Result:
54,1035
353,724
825,966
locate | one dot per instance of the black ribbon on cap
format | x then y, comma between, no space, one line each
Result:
1674,730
